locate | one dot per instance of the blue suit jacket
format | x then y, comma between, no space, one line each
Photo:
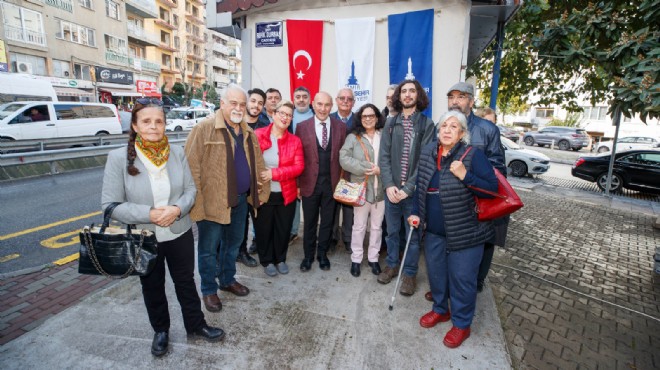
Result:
349,123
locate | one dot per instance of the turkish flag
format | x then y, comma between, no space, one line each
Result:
305,40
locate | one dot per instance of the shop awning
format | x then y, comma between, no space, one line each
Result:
121,92
153,94
71,91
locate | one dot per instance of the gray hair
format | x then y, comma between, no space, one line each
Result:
461,119
232,87
392,87
346,89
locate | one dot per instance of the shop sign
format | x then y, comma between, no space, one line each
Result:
117,76
147,87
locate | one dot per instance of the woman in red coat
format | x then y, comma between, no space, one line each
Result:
283,154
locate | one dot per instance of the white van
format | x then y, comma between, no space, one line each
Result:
44,120
185,118
22,87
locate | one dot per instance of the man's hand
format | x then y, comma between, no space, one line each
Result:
392,194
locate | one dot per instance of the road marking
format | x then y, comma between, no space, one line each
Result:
42,227
67,259
9,257
57,242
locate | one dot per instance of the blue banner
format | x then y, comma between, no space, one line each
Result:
411,49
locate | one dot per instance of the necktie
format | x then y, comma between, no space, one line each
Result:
344,119
324,136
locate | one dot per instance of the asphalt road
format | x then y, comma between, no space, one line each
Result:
40,218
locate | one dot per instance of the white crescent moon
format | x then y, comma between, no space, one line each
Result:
305,54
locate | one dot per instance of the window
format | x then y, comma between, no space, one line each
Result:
177,62
135,51
164,15
112,9
77,111
165,38
189,66
74,33
116,44
177,42
545,112
61,68
175,20
188,27
166,60
594,113
82,72
197,68
85,3
37,65
24,25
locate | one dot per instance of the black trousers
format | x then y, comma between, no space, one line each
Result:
273,225
180,256
320,203
346,224
243,248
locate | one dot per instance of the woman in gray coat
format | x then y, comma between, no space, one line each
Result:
152,181
358,156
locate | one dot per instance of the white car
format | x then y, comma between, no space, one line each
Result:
523,161
629,143
185,118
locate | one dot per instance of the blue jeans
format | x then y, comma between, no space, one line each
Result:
296,219
217,248
453,276
395,216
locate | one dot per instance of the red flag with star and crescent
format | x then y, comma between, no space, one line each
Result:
305,40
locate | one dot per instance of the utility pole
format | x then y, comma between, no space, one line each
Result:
617,122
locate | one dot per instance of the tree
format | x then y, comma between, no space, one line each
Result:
559,50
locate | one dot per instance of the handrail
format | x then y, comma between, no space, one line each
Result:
14,159
58,143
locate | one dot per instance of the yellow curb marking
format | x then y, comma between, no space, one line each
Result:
67,259
42,227
9,257
57,242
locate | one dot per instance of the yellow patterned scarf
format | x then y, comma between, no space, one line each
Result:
157,152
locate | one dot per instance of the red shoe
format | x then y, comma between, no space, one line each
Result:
456,336
432,318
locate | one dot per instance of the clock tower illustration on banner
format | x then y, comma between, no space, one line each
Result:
410,76
352,80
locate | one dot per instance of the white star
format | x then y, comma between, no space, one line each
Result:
300,75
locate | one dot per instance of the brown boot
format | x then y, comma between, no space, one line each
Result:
212,303
408,284
388,273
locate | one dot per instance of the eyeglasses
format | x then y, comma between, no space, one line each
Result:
284,115
458,97
368,116
147,101
345,98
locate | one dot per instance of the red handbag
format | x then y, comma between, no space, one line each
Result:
503,203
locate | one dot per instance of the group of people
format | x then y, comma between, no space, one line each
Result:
262,157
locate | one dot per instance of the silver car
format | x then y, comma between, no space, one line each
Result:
564,138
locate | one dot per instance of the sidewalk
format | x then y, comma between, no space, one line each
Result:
313,320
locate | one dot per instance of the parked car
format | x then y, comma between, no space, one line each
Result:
564,137
169,103
508,133
47,119
185,118
523,161
636,170
629,143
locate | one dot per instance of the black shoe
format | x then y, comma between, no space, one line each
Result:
247,260
480,286
209,333
159,344
347,246
252,249
355,269
375,268
324,263
306,265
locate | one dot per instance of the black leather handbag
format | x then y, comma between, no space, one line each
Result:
115,252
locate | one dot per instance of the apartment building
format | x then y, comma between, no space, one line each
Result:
88,49
224,61
180,27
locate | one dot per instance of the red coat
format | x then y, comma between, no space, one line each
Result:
291,162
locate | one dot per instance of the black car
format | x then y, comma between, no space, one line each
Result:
636,170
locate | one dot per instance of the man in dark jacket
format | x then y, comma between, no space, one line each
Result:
485,136
403,137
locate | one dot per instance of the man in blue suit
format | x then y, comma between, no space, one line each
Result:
345,102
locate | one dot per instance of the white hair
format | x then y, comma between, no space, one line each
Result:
461,119
232,87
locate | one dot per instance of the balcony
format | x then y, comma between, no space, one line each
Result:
220,78
25,35
116,57
169,3
139,36
165,23
195,38
167,46
194,19
234,55
146,65
167,68
194,56
198,2
142,8
222,49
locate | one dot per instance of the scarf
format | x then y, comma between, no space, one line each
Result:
156,152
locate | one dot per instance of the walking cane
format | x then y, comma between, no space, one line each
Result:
405,251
